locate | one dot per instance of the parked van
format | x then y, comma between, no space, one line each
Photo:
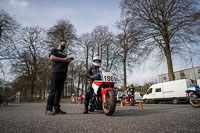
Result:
168,91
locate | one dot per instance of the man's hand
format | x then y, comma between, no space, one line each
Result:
68,60
94,76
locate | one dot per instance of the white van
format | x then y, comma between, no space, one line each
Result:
168,91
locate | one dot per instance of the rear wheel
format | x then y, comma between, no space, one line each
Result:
175,101
193,101
109,106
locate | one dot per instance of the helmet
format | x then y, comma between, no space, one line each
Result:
131,86
96,61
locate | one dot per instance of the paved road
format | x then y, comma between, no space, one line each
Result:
161,118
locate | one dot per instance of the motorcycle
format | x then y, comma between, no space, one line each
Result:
193,93
103,97
128,99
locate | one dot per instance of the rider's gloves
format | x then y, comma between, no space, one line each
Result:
94,76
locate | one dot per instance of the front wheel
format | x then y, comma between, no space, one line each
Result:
193,101
146,101
109,106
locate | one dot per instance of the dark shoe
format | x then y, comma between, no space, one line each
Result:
50,112
59,111
85,110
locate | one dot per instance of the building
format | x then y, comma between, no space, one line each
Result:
190,73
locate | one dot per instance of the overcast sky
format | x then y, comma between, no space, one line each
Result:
84,15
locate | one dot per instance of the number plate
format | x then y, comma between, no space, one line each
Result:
108,77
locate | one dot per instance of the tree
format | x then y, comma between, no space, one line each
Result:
128,42
30,49
103,46
168,24
63,30
8,29
85,42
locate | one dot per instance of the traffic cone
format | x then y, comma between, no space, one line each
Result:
122,104
140,107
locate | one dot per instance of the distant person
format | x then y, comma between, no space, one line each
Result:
73,98
59,69
131,89
81,97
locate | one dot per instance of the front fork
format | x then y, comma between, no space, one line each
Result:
104,93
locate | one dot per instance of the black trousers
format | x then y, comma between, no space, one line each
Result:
56,88
88,93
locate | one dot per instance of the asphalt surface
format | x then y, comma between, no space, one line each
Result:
160,118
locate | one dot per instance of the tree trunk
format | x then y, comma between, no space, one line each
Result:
32,87
92,53
101,52
169,63
124,64
98,50
82,85
66,87
79,81
87,58
107,63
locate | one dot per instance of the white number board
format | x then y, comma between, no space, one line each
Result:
108,77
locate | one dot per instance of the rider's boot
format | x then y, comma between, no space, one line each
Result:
86,108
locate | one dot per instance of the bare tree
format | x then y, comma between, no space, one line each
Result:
128,42
30,49
85,43
167,24
63,30
8,29
103,45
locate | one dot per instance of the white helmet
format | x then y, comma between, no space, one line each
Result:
96,61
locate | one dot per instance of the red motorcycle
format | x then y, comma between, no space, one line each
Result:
128,99
103,96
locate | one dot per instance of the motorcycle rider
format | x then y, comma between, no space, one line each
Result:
91,75
131,89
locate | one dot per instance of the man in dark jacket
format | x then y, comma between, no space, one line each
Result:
58,76
91,75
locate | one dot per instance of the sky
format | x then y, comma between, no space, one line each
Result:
84,15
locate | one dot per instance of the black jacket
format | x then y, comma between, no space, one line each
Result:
92,72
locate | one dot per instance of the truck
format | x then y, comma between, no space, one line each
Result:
173,91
